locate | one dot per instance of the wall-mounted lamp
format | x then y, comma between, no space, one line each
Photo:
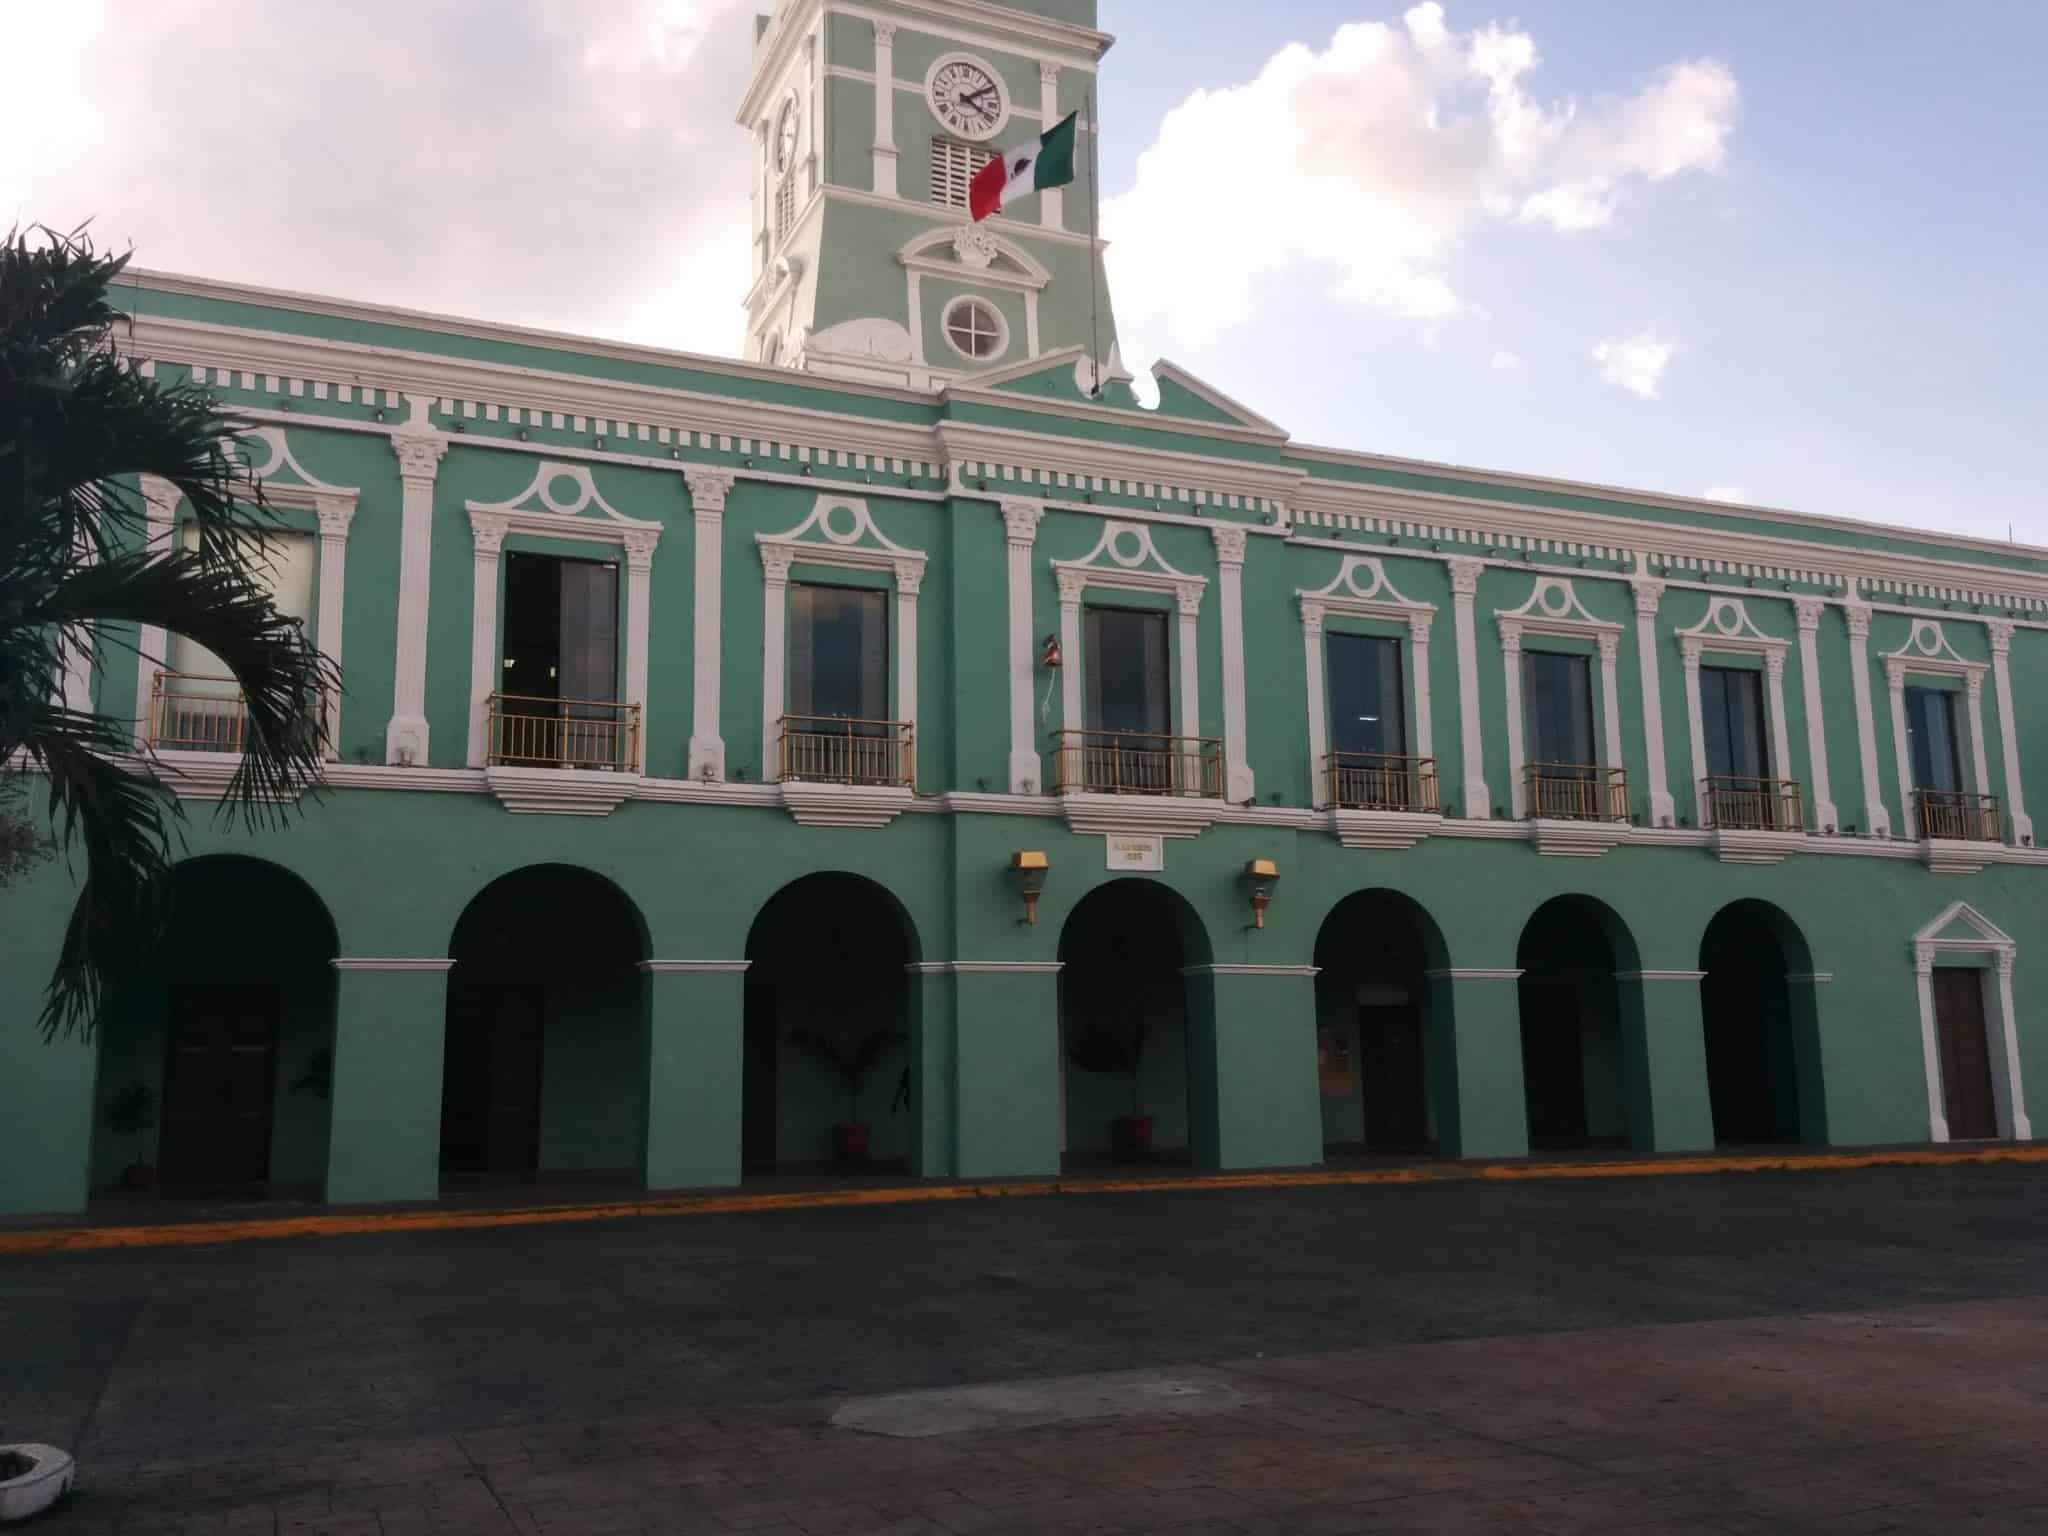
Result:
1260,876
1028,868
1049,652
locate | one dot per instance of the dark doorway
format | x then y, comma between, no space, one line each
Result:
1390,1059
219,1083
559,672
758,1115
1747,1014
1570,1002
1373,1008
1553,1072
490,1079
1965,1054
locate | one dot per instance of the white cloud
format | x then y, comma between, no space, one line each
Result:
572,164
1372,160
1725,493
1635,363
1505,362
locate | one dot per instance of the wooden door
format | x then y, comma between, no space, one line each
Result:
1553,1064
219,1080
758,1097
1965,1054
1390,1048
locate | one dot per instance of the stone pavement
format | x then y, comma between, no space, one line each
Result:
1853,1354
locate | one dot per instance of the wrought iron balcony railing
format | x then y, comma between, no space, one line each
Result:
1380,781
529,732
191,712
829,749
1953,815
1139,763
1740,804
1575,792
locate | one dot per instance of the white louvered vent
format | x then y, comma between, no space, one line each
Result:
785,207
953,168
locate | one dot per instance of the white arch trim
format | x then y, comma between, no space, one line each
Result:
1962,929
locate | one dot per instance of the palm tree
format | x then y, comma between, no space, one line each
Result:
78,427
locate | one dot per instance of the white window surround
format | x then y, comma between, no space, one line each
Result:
1728,629
1361,590
985,310
972,255
1052,210
1553,608
567,495
1927,653
839,532
1981,937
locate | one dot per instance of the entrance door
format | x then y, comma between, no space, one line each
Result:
490,1081
1965,1054
1553,1069
218,1084
1390,1048
757,1088
1737,1081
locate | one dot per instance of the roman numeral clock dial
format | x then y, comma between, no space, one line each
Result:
966,98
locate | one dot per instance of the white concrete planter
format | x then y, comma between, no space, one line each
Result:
43,1484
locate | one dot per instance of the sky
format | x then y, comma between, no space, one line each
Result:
1783,255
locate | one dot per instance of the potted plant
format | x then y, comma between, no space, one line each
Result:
1098,1049
849,1136
133,1113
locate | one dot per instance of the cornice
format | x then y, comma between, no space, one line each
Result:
967,392
1119,461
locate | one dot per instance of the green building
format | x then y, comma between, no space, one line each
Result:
1096,766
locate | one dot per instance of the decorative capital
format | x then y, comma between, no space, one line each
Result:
1648,595
1311,616
1894,673
1689,653
1418,628
2003,958
1809,610
1858,615
1973,685
1230,544
708,489
1048,74
885,34
1021,520
335,514
1189,597
1465,576
1610,647
909,577
160,502
2000,631
488,529
419,454
776,560
1510,638
1774,665
1923,959
1071,584
640,549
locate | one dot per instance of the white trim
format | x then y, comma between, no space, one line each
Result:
1810,978
1926,652
1648,594
1288,972
1376,598
986,967
160,516
1052,203
1726,627
885,154
1465,572
1876,820
1660,975
1474,973
2000,632
692,967
1553,608
2008,1092
358,963
709,489
1807,610
1230,540
1020,532
419,449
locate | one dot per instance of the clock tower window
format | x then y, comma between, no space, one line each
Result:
953,168
975,329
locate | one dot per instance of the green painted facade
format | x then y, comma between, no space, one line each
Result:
677,924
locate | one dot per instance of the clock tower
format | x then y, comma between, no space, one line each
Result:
868,122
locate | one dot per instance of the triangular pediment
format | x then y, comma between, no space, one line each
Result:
1052,375
1962,923
1183,395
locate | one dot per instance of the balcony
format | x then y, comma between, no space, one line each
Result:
1738,804
1380,781
830,749
1138,763
528,732
1949,815
1575,792
191,712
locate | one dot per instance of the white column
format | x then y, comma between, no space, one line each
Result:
1902,758
2013,1094
1689,659
1237,769
1418,641
419,449
335,514
1464,587
909,579
1648,595
1188,598
2008,735
1930,1053
775,562
1610,698
1318,705
1020,531
708,491
1052,205
1876,820
639,574
885,108
1809,610
74,690
1071,583
1973,689
1781,746
488,531
160,511
1511,665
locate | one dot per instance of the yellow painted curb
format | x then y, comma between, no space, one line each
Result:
438,1219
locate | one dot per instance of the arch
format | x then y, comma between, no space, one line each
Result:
831,1023
1380,1025
216,1062
1759,1026
1133,981
544,1066
1575,1084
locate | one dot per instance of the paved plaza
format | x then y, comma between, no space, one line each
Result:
1854,1353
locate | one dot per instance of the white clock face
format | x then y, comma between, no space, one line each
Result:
967,99
785,137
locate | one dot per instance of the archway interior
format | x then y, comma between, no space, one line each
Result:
226,1043
1373,1023
545,1064
828,986
1746,1012
1124,1015
1571,1025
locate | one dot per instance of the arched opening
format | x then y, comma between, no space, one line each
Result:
1572,1069
215,1070
1752,1031
1124,1014
827,1074
545,1064
1374,1023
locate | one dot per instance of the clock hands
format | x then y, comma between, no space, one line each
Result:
970,100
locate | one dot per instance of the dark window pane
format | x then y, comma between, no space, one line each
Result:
1558,700
1931,730
1127,688
838,652
1367,709
590,630
1732,713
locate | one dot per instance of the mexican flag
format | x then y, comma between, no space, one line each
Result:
1024,170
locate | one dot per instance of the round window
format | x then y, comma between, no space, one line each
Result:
975,329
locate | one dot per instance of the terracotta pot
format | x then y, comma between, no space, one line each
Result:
1130,1136
850,1141
139,1176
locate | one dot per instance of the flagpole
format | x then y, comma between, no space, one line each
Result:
1094,250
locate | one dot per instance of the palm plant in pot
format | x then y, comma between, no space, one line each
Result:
853,1063
1100,1049
132,1113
